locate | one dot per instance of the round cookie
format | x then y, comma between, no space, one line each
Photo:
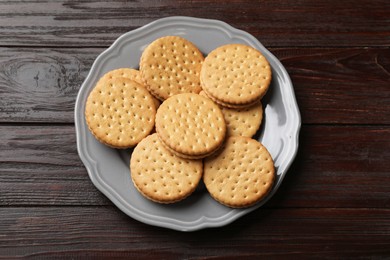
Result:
241,174
191,125
161,176
244,121
129,74
171,65
120,112
235,74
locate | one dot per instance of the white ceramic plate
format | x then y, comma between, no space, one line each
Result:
109,168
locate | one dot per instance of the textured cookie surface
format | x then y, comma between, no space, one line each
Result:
235,74
171,65
243,121
190,124
129,74
241,174
120,112
161,176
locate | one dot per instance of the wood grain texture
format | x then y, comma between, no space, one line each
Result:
40,165
339,166
41,85
333,203
331,85
275,23
336,166
340,86
91,232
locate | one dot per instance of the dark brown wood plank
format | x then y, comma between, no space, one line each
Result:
331,85
79,232
40,165
275,23
340,166
336,166
42,85
340,86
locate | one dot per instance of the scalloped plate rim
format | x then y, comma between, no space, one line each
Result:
121,203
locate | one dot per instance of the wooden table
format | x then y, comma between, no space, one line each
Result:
334,201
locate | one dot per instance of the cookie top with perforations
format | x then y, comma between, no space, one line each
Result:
240,174
235,74
120,112
243,121
171,65
191,125
161,176
128,73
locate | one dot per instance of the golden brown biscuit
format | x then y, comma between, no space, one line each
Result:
191,125
129,74
161,176
171,65
235,75
241,174
243,121
120,112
